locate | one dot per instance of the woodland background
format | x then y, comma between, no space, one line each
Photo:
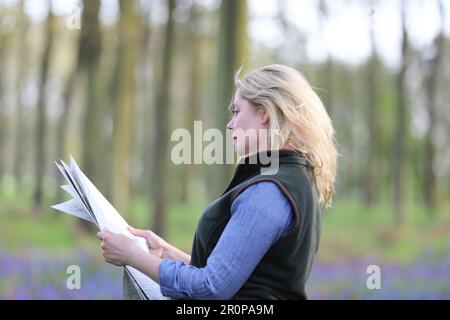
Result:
111,93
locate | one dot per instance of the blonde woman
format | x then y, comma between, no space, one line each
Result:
259,238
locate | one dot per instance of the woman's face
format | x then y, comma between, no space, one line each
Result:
245,125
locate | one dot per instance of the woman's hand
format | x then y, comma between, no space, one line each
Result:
118,249
156,245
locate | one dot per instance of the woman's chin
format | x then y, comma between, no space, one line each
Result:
243,151
240,152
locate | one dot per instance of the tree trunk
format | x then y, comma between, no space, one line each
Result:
328,72
329,85
63,123
41,147
372,125
90,47
89,55
162,105
194,98
232,54
401,137
147,72
20,126
123,119
3,122
431,85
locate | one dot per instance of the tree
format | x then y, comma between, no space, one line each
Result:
145,107
4,40
41,109
233,44
89,55
401,136
88,60
431,86
294,41
63,123
328,73
372,123
193,114
162,106
125,109
20,127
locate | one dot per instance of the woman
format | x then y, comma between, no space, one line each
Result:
259,238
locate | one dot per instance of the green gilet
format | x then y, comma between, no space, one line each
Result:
283,271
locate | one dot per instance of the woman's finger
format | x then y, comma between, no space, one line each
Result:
152,242
147,235
137,232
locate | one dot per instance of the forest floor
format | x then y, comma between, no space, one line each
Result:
414,258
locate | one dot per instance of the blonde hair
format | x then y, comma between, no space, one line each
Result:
298,115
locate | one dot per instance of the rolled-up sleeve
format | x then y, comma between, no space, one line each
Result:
259,217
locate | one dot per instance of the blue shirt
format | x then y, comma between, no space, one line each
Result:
260,215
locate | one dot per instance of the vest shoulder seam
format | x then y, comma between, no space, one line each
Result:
285,192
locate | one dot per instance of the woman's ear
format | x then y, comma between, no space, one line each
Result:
264,117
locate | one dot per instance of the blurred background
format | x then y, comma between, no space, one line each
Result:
108,81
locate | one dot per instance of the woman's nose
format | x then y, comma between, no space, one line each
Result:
230,125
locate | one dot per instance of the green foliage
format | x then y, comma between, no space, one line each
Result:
353,237
349,231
